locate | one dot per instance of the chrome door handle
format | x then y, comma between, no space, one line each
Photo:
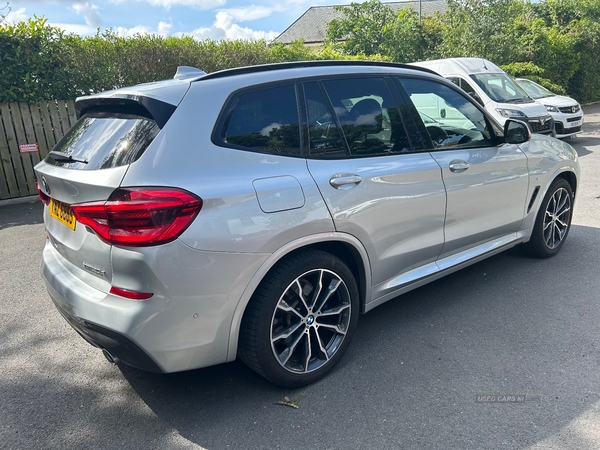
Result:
459,166
345,181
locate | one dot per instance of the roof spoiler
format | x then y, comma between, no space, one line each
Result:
138,105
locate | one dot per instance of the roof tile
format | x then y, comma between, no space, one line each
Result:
312,25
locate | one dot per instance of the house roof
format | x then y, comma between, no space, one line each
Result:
312,25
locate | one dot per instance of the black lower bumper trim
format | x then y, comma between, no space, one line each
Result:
119,346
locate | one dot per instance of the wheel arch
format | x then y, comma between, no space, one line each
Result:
567,173
346,247
569,177
532,245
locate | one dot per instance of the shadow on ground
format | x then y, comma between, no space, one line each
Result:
21,214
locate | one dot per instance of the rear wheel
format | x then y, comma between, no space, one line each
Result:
553,221
301,319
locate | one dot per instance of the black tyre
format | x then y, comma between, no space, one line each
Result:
300,320
553,221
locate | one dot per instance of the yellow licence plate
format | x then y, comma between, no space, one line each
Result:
63,213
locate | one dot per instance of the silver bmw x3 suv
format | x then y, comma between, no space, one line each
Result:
259,211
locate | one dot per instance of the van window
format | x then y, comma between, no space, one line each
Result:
501,88
463,84
466,86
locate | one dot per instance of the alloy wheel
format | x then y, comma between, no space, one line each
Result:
557,218
310,321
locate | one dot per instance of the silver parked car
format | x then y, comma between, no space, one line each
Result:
566,112
258,211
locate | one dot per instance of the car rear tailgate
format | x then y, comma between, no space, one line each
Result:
89,163
84,255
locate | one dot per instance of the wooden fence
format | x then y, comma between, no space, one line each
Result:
27,134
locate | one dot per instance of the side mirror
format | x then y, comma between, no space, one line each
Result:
516,132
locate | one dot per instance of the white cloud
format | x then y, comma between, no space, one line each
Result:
250,13
130,32
225,25
226,28
198,4
163,29
83,30
15,16
89,12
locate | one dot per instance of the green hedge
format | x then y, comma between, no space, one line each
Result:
555,42
42,62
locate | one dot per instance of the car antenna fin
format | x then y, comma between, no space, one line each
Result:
187,73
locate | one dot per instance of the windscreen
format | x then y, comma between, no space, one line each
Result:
102,140
501,88
535,90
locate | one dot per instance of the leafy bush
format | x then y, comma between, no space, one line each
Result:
534,73
554,42
33,59
42,62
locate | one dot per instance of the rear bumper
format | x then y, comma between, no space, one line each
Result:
185,325
119,346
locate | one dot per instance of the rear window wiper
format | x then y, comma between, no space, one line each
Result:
63,157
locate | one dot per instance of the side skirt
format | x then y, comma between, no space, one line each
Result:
442,267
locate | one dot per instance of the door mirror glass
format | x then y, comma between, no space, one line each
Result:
516,132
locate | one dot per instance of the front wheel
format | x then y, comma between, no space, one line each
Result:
553,221
300,320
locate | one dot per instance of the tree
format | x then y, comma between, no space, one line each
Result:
363,29
477,28
404,37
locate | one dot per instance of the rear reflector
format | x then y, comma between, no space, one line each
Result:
132,295
140,217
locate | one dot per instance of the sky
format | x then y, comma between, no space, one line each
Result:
202,19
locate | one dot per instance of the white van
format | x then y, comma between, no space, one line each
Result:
494,89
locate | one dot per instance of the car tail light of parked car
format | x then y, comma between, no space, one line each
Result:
140,216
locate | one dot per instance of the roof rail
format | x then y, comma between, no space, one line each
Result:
316,63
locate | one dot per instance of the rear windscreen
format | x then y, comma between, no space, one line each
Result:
104,140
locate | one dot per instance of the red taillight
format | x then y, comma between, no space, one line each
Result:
140,216
43,197
132,295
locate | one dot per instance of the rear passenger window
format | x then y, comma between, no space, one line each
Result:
265,120
368,115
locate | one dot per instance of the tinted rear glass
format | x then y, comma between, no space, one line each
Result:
265,120
105,140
